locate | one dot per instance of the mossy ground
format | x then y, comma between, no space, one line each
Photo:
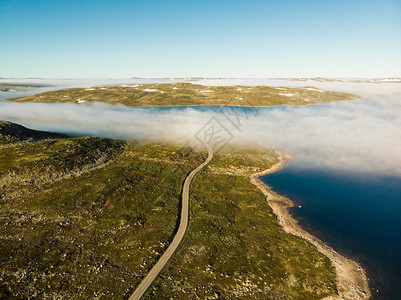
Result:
88,217
181,94
234,247
11,133
91,233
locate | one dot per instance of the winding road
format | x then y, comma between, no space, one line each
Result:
144,285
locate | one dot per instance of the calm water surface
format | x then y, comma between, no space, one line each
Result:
358,215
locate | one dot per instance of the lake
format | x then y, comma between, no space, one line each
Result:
358,215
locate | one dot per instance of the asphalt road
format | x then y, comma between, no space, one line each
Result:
144,285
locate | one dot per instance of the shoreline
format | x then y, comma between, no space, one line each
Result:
188,105
351,279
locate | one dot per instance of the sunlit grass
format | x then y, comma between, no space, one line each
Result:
181,94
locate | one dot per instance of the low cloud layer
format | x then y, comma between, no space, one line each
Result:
360,136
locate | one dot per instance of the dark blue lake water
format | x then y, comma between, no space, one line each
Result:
359,216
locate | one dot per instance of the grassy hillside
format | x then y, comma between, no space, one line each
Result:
234,247
11,133
191,94
88,217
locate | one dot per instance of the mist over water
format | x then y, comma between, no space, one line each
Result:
361,136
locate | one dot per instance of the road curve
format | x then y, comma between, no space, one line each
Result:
144,285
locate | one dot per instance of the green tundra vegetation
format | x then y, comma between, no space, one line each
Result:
181,94
16,134
87,217
234,247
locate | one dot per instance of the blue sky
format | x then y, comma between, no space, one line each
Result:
283,38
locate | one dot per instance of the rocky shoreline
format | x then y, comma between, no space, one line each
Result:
351,278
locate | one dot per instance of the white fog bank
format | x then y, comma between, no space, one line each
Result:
360,136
